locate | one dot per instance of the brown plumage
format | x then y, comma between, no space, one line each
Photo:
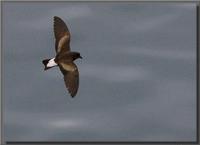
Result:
62,35
64,57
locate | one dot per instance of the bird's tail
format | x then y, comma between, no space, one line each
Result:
49,63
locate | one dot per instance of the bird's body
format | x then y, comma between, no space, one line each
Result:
64,57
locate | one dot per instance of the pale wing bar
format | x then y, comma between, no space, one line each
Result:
62,35
71,77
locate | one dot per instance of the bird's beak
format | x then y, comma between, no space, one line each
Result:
81,57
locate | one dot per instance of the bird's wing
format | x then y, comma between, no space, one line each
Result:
71,77
62,35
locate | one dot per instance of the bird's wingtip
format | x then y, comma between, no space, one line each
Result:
56,17
72,96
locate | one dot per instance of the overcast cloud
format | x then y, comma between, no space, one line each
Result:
137,75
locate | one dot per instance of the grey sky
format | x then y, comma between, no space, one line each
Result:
137,76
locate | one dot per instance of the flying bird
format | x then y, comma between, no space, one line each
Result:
64,58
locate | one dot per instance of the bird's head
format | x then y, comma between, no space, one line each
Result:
76,55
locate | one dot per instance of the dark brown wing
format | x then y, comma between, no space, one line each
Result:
62,35
71,77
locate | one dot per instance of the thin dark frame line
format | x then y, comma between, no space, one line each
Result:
97,142
136,1
115,142
197,72
1,76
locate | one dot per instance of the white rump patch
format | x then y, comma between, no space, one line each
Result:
51,63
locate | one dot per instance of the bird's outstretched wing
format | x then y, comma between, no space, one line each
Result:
62,35
71,77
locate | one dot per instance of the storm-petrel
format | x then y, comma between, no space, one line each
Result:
64,57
